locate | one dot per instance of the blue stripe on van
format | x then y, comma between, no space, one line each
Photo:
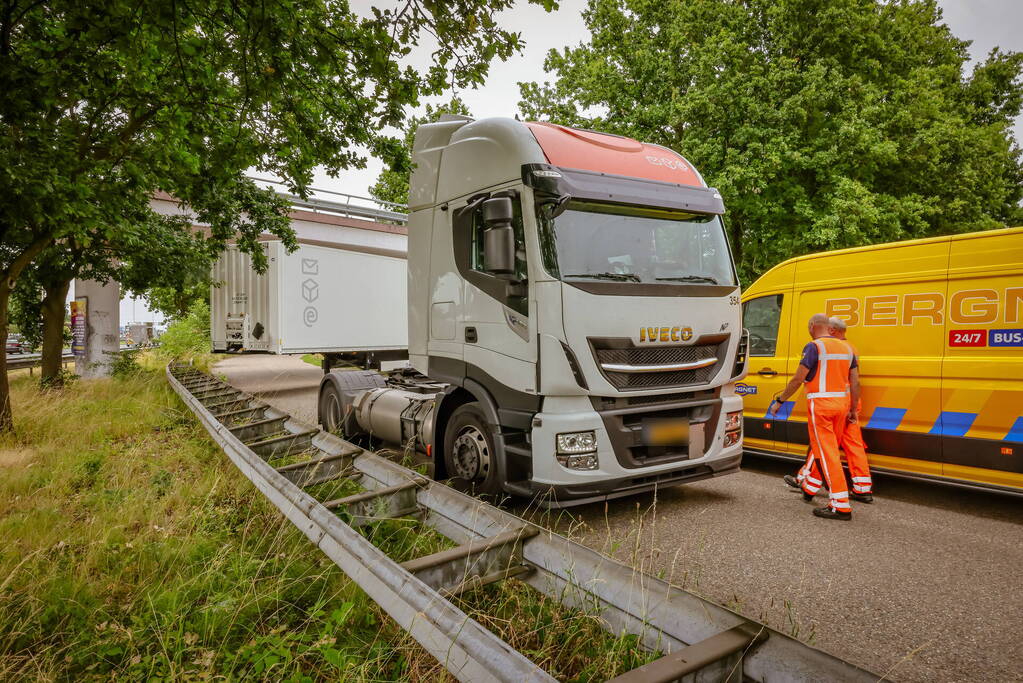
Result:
953,424
1016,433
886,418
783,412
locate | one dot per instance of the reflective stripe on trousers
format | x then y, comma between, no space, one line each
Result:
825,426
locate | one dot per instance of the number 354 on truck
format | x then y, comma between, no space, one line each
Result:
573,317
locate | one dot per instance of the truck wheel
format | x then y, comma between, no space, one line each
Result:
469,450
335,416
331,416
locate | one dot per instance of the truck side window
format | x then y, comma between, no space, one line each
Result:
761,316
467,225
520,240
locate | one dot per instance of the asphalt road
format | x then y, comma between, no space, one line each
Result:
926,584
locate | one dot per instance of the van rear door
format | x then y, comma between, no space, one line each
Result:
981,421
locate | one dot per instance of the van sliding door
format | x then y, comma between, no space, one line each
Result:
891,299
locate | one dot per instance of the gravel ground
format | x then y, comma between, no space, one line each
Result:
923,585
285,382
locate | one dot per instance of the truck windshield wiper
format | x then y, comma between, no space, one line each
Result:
625,277
690,278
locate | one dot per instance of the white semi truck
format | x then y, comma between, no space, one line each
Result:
573,317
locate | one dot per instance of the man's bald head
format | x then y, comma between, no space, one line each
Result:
819,325
836,326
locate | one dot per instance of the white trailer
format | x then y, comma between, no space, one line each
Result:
329,298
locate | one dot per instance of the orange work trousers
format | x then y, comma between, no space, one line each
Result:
856,455
855,449
827,421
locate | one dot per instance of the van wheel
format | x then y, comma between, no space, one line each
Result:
469,454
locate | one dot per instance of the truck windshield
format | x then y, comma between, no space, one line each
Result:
592,241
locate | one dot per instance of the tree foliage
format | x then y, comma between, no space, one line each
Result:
106,104
392,183
824,123
188,336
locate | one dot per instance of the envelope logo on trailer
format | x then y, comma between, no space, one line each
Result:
310,291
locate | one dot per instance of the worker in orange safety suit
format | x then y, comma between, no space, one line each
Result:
851,442
828,370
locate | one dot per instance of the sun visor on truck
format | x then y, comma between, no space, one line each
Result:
604,187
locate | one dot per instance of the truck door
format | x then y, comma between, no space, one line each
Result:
981,420
496,327
766,317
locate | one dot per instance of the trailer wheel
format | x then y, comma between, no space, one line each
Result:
469,450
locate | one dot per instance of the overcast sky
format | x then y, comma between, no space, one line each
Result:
988,23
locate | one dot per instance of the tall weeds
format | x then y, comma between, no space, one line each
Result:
133,549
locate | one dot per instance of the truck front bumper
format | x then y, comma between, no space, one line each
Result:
625,467
569,495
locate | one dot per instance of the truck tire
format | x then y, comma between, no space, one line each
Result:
331,409
469,454
337,393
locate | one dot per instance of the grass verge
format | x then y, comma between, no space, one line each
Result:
133,549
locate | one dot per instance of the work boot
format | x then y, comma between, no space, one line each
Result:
827,512
791,481
861,497
807,497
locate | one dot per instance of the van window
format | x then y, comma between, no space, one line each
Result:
760,316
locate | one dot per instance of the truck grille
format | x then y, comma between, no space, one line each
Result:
614,352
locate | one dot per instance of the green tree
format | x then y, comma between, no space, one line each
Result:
104,104
392,183
174,302
824,123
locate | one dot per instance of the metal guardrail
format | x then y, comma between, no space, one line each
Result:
36,359
389,211
699,637
32,360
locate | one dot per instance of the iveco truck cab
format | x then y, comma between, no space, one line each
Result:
573,312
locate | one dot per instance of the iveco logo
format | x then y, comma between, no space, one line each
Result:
663,334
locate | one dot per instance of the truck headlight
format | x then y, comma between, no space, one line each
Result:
733,420
577,442
732,438
579,462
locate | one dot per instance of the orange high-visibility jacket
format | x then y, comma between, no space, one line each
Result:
829,387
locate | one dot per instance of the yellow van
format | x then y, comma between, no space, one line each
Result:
938,325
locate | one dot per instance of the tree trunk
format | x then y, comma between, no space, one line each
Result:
7,280
6,421
53,333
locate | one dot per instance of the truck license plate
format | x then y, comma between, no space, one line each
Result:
666,432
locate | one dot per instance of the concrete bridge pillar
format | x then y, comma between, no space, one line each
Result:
95,344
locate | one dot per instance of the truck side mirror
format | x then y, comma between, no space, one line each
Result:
498,237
